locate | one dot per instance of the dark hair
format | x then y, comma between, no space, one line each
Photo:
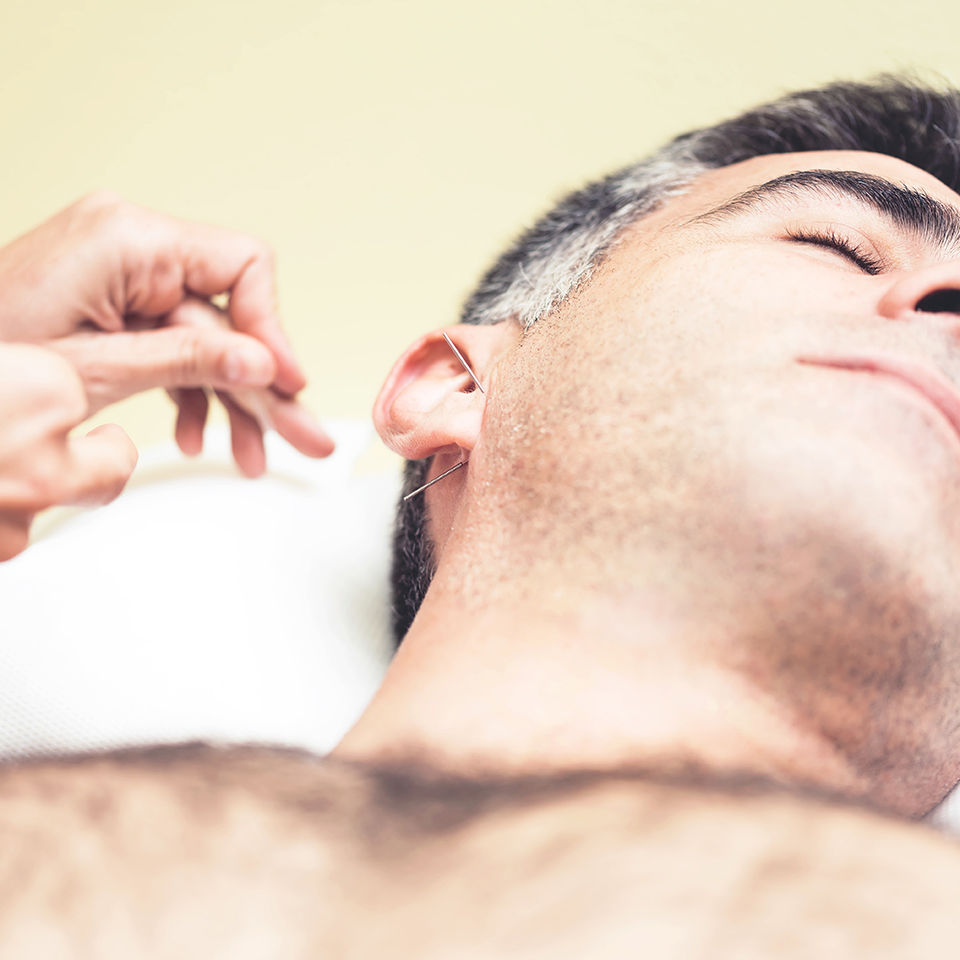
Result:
558,254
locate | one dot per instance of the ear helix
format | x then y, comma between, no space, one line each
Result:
462,463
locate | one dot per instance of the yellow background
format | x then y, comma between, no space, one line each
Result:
388,148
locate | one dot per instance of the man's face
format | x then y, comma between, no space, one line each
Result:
749,409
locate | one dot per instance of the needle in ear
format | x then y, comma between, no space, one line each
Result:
462,463
463,363
430,483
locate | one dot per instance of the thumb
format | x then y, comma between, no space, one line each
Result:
117,365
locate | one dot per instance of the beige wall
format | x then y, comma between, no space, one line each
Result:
388,148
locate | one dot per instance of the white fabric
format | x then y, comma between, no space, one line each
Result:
201,605
946,816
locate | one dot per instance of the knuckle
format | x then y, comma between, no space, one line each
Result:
131,228
124,225
100,200
99,207
186,363
110,221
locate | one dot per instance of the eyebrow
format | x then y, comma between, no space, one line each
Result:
909,209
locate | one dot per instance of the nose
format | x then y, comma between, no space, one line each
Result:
934,289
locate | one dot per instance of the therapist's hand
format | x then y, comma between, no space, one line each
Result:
101,283
41,400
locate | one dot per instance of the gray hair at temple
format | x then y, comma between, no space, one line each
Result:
558,255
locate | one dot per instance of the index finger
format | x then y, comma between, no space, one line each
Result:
220,261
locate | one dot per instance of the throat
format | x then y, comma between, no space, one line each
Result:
545,687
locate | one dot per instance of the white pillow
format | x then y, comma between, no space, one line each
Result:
201,605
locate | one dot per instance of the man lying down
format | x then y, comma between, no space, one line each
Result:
681,640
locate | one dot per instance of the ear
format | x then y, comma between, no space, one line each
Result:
429,403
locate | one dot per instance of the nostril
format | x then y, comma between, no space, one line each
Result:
940,301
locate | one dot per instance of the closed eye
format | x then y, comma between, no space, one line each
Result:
845,247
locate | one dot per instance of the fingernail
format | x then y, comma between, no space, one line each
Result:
248,364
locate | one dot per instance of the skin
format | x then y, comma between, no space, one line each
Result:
686,535
695,531
251,853
123,293
41,400
107,299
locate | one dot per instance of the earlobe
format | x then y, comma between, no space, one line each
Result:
429,403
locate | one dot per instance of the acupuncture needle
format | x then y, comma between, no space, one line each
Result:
462,463
463,363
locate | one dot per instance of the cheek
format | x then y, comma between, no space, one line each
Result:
738,288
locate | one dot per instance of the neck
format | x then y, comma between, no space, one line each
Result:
553,680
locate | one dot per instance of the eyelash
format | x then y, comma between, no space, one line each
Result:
843,246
